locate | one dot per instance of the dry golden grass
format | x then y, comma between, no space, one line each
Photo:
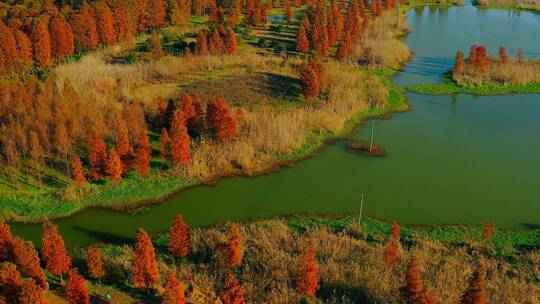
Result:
275,122
379,46
352,269
515,72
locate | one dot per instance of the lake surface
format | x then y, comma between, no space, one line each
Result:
452,159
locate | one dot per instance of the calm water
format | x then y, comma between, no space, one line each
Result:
452,159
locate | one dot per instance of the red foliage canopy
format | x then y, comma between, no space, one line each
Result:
307,280
144,267
232,291
54,252
180,238
94,262
76,288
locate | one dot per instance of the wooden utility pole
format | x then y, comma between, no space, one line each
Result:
361,207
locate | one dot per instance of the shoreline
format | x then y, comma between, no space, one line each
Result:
312,147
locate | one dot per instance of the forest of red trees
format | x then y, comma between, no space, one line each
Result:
479,58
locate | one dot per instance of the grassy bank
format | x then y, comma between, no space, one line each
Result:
449,86
532,6
350,257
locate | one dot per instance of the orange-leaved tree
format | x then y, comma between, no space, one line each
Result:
54,251
114,167
76,288
475,293
302,42
180,238
143,155
31,293
460,63
180,140
144,266
94,262
97,156
411,292
232,291
307,280
174,291
234,246
27,260
78,172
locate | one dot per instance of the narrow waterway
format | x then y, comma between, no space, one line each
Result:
452,159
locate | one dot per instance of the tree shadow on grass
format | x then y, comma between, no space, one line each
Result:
282,87
342,292
105,237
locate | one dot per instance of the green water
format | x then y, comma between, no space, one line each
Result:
452,159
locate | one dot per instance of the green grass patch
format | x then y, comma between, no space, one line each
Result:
505,242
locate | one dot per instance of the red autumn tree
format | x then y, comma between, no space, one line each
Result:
186,106
114,167
54,252
460,63
288,11
62,43
202,43
6,242
78,172
473,54
165,144
232,291
123,21
221,120
156,49
475,293
234,246
331,33
11,281
302,42
157,11
8,46
27,260
411,292
42,42
395,232
31,293
143,155
216,44
231,46
174,292
97,156
391,252
180,140
310,82
94,262
234,17
488,230
76,288
481,58
105,23
84,28
307,281
345,47
180,238
503,56
144,267
24,46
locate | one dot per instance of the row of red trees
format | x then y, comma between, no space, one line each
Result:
324,26
479,58
23,278
217,42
